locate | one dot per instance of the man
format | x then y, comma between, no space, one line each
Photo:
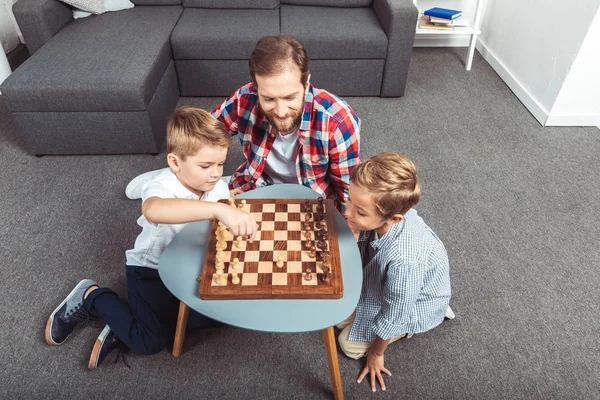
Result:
290,131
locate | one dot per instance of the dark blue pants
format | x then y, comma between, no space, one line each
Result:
147,321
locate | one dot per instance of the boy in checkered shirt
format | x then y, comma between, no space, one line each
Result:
406,282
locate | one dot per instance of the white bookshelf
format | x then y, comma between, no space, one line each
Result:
472,29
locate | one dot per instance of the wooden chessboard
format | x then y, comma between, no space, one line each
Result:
281,234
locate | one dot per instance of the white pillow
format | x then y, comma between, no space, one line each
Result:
85,8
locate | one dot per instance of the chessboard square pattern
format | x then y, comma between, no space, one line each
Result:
294,226
294,267
267,226
281,235
268,208
266,245
293,208
249,279
281,216
294,245
265,267
279,278
251,256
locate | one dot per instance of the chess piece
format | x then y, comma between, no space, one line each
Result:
235,264
326,276
307,235
220,266
323,224
235,279
279,262
232,202
307,228
313,252
221,277
238,242
307,216
307,224
322,245
244,205
308,243
308,275
219,256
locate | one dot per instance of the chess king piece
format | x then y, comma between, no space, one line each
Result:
279,262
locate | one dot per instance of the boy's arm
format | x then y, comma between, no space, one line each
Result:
399,296
180,211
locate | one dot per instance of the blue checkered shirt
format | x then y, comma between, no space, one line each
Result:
406,281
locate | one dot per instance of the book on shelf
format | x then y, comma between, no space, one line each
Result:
443,13
425,23
458,22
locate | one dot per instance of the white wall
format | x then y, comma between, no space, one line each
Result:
9,32
578,102
532,45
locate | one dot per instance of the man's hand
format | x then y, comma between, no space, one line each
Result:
239,222
236,191
374,367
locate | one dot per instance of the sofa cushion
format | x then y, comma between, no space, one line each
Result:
335,33
329,3
227,4
156,2
108,62
221,34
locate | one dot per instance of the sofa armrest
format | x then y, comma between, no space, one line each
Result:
39,20
399,20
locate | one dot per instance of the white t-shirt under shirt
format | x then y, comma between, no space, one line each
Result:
154,238
281,161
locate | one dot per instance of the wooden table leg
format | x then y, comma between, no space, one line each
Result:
332,360
182,319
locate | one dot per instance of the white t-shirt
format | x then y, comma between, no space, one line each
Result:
281,161
155,238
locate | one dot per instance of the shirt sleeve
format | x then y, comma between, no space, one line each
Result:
228,113
343,157
156,189
399,296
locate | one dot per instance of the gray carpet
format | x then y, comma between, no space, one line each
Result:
515,204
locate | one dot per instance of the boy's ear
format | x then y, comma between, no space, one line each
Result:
174,162
396,218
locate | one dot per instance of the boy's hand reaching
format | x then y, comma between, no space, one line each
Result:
374,367
239,222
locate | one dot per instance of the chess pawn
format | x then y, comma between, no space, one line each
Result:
238,242
323,224
307,216
313,252
220,266
279,262
307,235
235,264
235,279
308,244
221,277
244,205
219,256
307,224
308,275
232,202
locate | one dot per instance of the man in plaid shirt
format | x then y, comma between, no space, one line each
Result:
290,131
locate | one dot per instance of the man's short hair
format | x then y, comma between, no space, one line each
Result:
391,179
274,54
191,128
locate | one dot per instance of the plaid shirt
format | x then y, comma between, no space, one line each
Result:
328,137
406,281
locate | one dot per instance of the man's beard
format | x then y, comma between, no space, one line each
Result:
287,127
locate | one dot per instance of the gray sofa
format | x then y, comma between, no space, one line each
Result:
107,84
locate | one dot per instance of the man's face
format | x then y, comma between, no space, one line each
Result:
282,99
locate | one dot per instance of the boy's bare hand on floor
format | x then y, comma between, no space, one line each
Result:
374,367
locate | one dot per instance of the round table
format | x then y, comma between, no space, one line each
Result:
182,261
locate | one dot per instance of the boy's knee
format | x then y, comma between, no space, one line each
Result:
354,350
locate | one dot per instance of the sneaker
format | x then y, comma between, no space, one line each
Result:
106,342
68,314
133,191
450,313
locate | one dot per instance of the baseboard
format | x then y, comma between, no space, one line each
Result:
573,120
530,102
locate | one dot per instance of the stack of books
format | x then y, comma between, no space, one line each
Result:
440,18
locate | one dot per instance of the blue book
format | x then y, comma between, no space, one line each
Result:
443,13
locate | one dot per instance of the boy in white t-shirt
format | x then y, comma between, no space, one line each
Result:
197,146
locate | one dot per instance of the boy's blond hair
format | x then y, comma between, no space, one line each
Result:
391,179
190,128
